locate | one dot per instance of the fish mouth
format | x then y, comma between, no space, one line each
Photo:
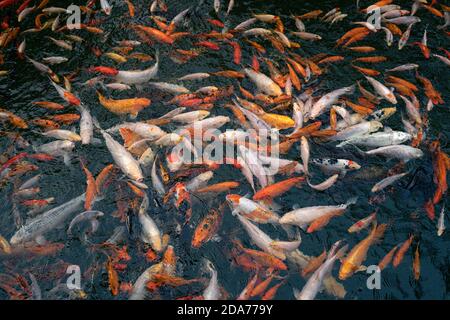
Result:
342,276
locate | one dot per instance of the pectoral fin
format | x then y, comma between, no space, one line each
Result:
361,269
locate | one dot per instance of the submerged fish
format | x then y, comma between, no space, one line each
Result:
37,227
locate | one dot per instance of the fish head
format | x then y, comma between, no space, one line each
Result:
174,161
288,218
156,242
347,269
400,136
72,99
352,165
391,98
16,239
181,194
233,200
417,153
222,120
68,145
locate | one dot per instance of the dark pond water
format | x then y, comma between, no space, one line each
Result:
402,207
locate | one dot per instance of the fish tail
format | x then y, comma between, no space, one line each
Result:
361,152
157,56
209,266
378,232
342,144
37,132
341,252
334,249
238,244
351,201
351,89
336,253
96,123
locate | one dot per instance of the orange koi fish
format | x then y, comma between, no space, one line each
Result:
374,59
367,71
67,118
91,190
270,294
313,264
430,91
219,187
398,258
358,254
277,189
102,178
237,55
350,34
155,34
261,258
113,278
387,258
207,227
124,106
49,105
416,264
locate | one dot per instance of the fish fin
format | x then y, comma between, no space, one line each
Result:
273,244
361,152
351,201
134,115
67,158
303,226
351,89
378,232
157,56
96,123
341,252
361,269
247,195
273,206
